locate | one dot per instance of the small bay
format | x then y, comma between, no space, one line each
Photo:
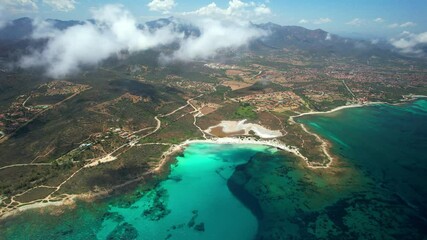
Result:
194,202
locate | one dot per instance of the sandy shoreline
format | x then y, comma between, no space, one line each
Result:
174,149
406,99
244,141
37,205
325,144
266,142
292,118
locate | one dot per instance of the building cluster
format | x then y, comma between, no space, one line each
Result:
200,87
17,115
20,112
61,88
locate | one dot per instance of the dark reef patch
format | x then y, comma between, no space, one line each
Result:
159,209
124,231
236,184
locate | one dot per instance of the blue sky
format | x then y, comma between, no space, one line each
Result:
376,18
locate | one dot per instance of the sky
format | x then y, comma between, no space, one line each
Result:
364,18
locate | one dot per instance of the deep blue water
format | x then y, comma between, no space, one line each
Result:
388,142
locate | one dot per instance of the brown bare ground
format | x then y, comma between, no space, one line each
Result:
34,194
233,72
209,108
235,85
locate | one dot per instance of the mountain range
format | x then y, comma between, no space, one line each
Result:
15,38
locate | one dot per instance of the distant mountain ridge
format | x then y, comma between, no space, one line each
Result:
22,28
17,34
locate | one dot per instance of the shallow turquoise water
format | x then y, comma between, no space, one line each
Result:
196,194
193,203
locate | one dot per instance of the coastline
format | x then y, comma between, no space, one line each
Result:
292,118
174,149
405,99
252,141
325,145
67,201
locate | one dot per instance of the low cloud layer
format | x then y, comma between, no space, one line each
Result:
114,30
3,20
409,42
215,35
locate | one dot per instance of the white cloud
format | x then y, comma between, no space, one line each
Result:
210,9
303,21
407,42
316,21
407,24
322,21
236,10
393,25
18,6
328,37
402,25
115,31
379,20
61,5
262,10
163,6
355,22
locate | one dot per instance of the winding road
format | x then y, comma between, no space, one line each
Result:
15,205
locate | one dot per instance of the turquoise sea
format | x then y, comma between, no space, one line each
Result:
375,190
194,202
